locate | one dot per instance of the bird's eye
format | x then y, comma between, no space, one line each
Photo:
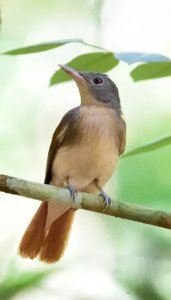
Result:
98,80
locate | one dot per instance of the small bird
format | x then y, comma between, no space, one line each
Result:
82,156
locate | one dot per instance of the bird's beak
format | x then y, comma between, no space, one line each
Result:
72,73
84,89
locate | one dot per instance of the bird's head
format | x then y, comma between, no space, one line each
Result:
95,88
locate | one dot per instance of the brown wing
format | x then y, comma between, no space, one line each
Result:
62,135
122,136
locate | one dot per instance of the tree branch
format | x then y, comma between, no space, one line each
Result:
86,201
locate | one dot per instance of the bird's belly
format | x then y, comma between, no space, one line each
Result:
84,163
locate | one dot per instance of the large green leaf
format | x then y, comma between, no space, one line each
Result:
94,61
151,70
41,47
150,146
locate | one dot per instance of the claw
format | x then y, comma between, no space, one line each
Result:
72,190
106,199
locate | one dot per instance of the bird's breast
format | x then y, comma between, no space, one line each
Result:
95,152
97,122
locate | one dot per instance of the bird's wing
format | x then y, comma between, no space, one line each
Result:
62,135
122,136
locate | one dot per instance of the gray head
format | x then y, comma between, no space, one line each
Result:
95,88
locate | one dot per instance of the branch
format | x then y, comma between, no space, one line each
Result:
86,201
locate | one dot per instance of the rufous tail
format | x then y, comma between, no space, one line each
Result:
49,242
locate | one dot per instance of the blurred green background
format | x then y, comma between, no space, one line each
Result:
107,258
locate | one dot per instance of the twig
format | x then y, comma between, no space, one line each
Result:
86,201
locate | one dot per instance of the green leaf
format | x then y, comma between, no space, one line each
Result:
17,281
150,146
41,47
151,70
94,61
134,57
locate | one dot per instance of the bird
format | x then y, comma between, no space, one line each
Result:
83,155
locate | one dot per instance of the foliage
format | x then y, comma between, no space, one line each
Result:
155,66
154,145
97,61
17,280
151,70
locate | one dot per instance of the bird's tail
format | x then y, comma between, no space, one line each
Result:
47,234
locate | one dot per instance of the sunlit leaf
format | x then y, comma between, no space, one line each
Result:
94,61
151,70
150,146
134,57
41,47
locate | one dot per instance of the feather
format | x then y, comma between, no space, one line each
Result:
56,237
33,237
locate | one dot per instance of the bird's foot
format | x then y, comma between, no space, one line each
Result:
106,199
72,191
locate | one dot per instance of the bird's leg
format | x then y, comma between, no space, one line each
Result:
106,198
71,188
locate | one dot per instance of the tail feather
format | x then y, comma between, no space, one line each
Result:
47,234
56,237
31,242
